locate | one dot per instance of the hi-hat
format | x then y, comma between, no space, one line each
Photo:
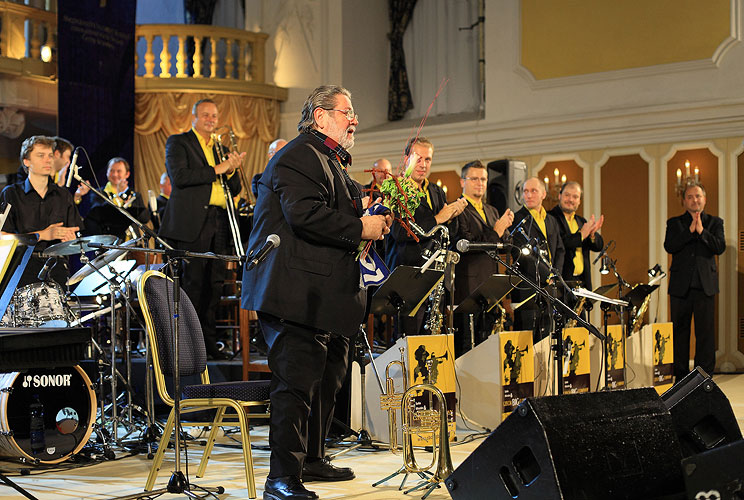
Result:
79,245
101,261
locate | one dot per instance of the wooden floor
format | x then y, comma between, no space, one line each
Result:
127,474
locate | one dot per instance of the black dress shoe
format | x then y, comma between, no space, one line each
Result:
323,470
286,488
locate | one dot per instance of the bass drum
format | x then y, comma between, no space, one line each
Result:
46,415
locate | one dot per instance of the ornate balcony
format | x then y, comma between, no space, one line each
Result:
27,41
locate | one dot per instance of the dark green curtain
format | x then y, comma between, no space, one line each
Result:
399,92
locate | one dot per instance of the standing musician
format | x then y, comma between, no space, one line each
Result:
542,236
694,239
195,218
307,291
40,206
579,235
105,219
478,223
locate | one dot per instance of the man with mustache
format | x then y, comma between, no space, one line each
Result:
306,197
694,239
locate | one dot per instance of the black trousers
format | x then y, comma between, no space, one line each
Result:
701,307
203,279
308,367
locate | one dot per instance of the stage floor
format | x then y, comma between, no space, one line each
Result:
127,474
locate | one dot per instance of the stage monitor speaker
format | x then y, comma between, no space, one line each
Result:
505,179
604,445
702,415
716,474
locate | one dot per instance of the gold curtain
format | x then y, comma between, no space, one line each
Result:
254,120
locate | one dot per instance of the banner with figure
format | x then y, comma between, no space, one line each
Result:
615,357
663,336
517,369
576,362
431,360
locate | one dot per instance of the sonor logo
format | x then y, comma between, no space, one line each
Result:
60,380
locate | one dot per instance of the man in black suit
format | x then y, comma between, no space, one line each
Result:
401,248
694,239
540,233
307,291
102,218
195,218
478,223
579,235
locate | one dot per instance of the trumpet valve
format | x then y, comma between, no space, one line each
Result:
391,401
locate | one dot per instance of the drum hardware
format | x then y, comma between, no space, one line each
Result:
79,245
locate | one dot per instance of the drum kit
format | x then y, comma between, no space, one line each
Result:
49,414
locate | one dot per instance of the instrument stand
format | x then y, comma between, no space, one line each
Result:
363,438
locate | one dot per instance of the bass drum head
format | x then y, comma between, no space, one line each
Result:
46,414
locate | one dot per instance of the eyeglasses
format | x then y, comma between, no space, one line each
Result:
477,179
350,115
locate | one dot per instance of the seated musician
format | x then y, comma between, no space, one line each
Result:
42,207
105,219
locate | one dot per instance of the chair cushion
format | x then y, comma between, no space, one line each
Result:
242,390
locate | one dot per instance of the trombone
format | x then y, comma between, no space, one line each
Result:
232,213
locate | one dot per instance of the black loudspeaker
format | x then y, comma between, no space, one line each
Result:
716,474
702,415
505,179
605,445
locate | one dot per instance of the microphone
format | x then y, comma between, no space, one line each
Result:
272,241
604,251
48,265
73,167
519,226
466,246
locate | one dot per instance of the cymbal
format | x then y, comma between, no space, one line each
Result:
102,260
79,245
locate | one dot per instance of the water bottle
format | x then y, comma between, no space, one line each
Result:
36,412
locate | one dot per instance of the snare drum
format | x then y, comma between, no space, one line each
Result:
36,305
45,414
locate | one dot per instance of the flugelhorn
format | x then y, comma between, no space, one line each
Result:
232,214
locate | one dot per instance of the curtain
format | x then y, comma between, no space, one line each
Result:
255,122
436,48
399,93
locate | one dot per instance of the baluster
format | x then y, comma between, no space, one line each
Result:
228,58
149,58
34,33
213,58
197,57
51,36
165,58
241,59
180,59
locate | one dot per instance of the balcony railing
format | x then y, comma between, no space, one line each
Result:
24,31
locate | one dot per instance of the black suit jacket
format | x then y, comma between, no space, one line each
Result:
102,218
191,180
475,266
572,241
312,278
693,252
555,244
401,248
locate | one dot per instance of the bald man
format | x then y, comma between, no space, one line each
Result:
275,146
381,169
544,235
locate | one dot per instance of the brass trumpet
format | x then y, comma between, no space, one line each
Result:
391,400
232,214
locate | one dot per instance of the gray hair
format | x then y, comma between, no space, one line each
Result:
322,97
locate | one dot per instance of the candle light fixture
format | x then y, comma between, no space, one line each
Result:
690,177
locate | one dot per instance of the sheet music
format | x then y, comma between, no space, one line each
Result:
4,215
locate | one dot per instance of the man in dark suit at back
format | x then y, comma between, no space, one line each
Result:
195,218
694,239
579,235
478,223
307,291
539,231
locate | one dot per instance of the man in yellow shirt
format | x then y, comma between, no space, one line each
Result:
540,232
195,218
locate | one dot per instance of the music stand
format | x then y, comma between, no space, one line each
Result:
404,291
485,297
638,294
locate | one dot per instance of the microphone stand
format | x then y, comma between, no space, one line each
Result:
560,312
